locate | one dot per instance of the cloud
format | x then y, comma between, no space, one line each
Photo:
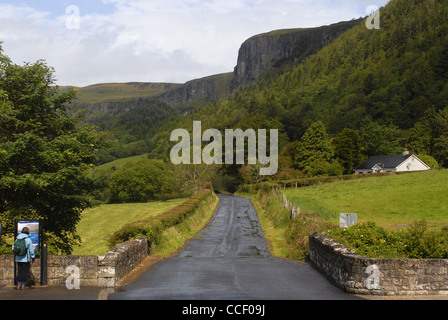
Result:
157,40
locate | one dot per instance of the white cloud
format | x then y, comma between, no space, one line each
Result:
157,40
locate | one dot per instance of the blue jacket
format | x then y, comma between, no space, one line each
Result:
29,245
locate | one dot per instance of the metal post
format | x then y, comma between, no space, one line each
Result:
15,264
43,265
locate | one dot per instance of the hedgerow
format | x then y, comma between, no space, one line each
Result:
152,228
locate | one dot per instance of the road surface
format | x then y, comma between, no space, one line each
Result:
229,260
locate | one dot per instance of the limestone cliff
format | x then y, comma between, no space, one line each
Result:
272,52
275,51
209,88
279,49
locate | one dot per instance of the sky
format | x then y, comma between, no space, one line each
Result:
104,41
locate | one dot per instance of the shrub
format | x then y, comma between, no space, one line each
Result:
416,242
368,240
141,181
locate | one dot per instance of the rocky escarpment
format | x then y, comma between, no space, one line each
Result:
277,50
209,88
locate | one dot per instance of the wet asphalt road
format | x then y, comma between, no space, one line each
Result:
229,260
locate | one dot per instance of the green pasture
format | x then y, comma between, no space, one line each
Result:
389,201
109,167
100,222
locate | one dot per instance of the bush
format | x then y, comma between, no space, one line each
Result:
430,161
150,230
368,240
373,241
141,181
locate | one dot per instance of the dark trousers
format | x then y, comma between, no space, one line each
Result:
23,268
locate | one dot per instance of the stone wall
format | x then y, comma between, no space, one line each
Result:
360,275
120,261
94,271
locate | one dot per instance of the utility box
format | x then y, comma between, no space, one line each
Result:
347,219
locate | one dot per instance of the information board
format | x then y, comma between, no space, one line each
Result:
34,227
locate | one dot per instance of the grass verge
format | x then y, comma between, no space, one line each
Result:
286,238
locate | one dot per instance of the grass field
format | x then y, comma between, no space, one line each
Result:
98,223
106,168
389,201
121,91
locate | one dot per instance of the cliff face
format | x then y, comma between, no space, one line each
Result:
209,88
274,50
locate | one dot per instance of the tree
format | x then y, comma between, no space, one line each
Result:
141,181
190,178
45,154
348,149
380,139
314,151
429,136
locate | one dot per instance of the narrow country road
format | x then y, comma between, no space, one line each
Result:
229,260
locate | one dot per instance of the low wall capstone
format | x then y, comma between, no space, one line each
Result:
377,276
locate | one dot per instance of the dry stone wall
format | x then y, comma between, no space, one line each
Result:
360,275
93,271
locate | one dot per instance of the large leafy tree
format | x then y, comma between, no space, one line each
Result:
380,139
45,154
314,151
141,181
430,135
348,149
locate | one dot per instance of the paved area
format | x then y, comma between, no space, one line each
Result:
230,260
52,293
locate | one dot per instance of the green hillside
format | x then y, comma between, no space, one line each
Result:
376,91
389,86
391,201
121,91
107,168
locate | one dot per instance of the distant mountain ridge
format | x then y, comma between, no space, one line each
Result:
260,55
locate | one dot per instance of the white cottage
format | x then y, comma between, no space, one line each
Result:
396,163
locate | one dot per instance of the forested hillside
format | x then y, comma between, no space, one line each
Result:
368,92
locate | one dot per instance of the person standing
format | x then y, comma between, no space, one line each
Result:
23,261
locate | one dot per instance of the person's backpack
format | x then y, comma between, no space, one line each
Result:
20,247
